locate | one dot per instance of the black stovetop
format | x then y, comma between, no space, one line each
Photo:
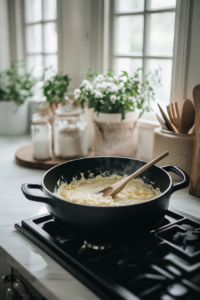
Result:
163,264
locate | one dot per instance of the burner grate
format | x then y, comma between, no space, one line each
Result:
163,264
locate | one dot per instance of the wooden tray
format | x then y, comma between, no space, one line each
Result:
24,157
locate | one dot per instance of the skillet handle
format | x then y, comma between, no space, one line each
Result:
181,185
27,186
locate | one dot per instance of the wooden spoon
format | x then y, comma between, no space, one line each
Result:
115,188
196,95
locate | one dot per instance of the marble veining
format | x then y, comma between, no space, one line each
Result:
48,277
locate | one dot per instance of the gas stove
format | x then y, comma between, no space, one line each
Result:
163,264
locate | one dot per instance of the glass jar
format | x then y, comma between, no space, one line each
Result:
41,132
70,132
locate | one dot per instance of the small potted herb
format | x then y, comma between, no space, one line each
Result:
55,88
117,102
16,86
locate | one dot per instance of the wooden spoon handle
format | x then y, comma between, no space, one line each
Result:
147,166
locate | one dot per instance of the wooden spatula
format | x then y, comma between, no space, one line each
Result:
115,188
187,116
167,121
175,118
163,124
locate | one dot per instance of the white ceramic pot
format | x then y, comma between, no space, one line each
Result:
114,137
13,118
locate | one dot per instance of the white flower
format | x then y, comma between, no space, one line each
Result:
121,85
99,78
101,101
122,102
89,87
118,98
110,79
77,92
85,82
131,107
123,89
124,78
130,99
113,98
99,86
76,96
98,94
104,85
114,88
115,77
130,85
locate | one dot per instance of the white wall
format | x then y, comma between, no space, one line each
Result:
80,41
193,58
4,36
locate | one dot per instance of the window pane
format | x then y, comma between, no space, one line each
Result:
129,65
161,33
33,10
162,3
129,5
34,38
163,92
49,9
50,37
35,64
129,34
51,61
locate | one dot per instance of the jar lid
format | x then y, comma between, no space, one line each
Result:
40,120
68,110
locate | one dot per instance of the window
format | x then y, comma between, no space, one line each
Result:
144,37
40,35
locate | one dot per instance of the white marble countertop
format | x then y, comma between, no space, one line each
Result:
48,277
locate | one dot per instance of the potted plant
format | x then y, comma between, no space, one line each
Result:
15,87
54,89
117,102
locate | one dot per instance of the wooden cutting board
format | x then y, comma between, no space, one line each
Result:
24,157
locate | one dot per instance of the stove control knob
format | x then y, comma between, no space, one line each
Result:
19,287
6,278
20,290
10,294
25,297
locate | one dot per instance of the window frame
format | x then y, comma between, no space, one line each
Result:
144,56
42,22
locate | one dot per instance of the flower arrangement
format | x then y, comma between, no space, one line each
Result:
15,84
118,94
55,88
